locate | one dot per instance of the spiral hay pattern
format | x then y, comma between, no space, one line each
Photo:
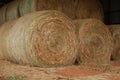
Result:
89,9
12,10
95,42
44,39
115,30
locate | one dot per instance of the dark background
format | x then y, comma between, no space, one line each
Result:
111,10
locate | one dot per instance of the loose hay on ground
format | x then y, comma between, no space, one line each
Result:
35,73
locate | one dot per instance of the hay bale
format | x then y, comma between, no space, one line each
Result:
3,33
12,11
95,42
115,30
2,14
44,39
88,9
65,6
27,6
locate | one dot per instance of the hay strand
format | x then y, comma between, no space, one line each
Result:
95,42
44,39
89,9
12,10
115,30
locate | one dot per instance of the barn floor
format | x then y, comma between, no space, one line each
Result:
78,72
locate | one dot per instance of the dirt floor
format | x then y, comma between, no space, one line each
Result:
78,72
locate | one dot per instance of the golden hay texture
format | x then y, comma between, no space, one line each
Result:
80,72
75,9
4,28
12,10
44,39
95,41
115,30
88,9
65,6
2,14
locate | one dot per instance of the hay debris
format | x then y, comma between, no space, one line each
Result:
35,73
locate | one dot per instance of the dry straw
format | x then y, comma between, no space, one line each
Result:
88,9
2,14
95,41
75,9
27,6
115,30
4,28
65,6
12,10
44,39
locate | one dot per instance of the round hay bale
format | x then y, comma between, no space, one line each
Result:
12,10
95,42
2,14
44,39
115,30
88,9
3,33
27,6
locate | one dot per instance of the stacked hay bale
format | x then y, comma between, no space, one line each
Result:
65,6
75,9
95,41
27,6
2,14
44,39
115,30
88,9
12,10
